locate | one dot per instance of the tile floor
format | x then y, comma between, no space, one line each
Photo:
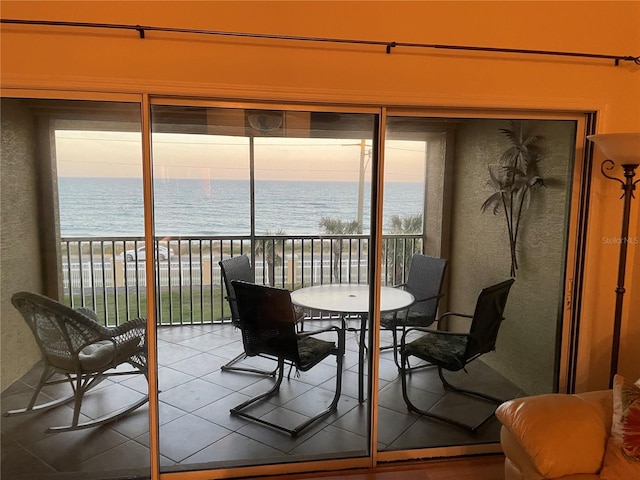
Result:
197,431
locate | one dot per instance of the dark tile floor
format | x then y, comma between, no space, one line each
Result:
197,431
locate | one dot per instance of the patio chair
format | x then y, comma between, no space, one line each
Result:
75,345
424,282
453,351
239,268
268,325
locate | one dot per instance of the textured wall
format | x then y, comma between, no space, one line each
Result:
20,252
480,249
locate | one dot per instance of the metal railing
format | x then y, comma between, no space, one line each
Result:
108,274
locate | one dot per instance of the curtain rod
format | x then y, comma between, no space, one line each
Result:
141,29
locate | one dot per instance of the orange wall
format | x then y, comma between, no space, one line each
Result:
115,61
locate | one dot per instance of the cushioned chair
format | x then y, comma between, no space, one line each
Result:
75,345
268,325
424,282
453,351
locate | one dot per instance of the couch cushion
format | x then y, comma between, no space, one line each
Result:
563,434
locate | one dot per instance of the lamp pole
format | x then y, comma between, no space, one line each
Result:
628,186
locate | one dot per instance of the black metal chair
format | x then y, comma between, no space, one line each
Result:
453,351
424,282
268,325
238,268
75,345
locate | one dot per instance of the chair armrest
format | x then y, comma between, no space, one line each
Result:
449,314
452,314
426,299
434,332
430,331
553,434
128,331
87,312
321,330
136,325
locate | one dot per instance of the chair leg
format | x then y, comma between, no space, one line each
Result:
294,432
228,367
78,391
237,410
413,408
83,385
332,407
449,386
101,420
47,373
80,385
394,347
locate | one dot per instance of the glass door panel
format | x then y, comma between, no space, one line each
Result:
495,208
87,206
289,191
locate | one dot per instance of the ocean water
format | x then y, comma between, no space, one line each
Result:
111,207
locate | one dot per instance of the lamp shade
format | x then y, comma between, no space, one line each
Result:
623,148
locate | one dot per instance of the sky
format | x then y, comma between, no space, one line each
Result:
119,154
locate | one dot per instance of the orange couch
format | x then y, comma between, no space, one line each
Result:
555,435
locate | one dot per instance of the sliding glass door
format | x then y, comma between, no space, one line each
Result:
496,208
77,170
292,194
289,190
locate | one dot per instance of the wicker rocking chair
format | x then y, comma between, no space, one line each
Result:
75,345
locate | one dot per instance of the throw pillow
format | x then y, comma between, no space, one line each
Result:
622,456
625,428
616,465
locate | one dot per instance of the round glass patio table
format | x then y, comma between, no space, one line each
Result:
351,299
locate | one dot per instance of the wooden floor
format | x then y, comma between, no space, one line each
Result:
487,467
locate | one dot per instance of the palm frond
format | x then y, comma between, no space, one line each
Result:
514,171
494,200
532,140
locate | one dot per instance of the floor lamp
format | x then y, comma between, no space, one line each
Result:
623,148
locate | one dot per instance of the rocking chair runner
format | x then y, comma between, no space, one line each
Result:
75,345
268,325
453,351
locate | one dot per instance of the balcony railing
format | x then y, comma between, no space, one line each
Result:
108,274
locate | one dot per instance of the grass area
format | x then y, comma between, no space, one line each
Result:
186,306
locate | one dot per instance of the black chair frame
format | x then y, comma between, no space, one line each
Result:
268,325
423,269
481,339
238,268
